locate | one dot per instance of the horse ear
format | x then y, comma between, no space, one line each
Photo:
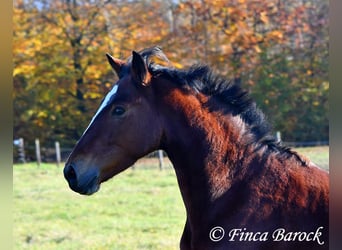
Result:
139,69
115,63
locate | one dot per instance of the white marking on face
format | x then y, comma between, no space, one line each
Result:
103,105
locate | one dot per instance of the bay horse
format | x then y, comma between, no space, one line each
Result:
241,188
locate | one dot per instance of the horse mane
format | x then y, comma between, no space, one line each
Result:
234,98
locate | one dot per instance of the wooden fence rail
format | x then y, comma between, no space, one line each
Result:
58,154
57,151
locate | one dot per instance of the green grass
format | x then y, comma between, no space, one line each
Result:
138,209
318,155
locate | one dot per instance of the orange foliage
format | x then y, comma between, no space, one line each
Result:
61,47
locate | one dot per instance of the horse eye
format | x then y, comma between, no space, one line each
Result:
118,110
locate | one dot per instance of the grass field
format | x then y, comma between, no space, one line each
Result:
138,209
318,155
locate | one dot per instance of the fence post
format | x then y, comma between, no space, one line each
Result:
21,151
58,153
38,152
278,136
160,157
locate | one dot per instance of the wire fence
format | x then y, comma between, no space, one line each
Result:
29,152
34,152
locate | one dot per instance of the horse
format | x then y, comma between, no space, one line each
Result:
241,188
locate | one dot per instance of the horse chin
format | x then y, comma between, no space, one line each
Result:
87,186
92,190
108,176
114,170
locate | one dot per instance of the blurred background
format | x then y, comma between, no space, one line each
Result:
278,50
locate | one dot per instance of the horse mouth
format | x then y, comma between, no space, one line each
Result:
87,187
91,188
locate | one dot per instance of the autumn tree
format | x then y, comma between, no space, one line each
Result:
291,83
59,45
276,49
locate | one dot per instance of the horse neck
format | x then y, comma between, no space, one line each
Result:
205,148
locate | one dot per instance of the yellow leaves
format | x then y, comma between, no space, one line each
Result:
24,69
275,35
325,85
226,49
264,17
108,85
42,114
93,90
125,9
315,103
177,65
230,10
93,72
39,123
272,7
257,49
16,71
92,95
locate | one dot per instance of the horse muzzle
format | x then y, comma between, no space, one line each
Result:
83,183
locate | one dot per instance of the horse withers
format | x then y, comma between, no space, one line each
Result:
240,187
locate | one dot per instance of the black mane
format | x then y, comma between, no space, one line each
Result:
235,100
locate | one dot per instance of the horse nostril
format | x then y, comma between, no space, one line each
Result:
69,173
